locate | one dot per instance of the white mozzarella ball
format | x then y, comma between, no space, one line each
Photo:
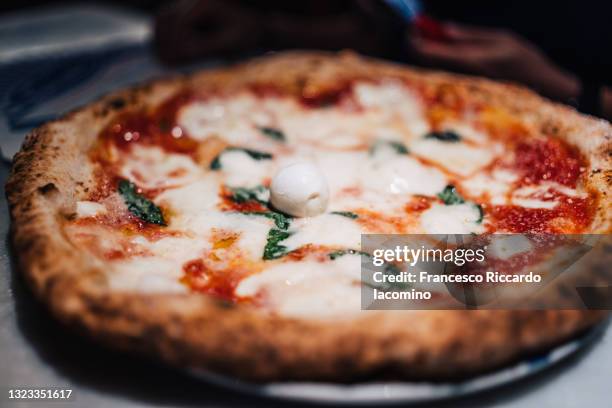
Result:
300,190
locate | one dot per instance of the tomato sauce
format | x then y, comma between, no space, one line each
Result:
219,283
547,160
571,215
229,204
266,90
418,204
318,253
128,224
157,128
331,96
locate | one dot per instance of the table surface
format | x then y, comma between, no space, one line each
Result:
35,351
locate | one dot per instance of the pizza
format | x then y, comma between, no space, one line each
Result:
213,221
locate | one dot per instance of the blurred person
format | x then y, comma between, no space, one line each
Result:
494,39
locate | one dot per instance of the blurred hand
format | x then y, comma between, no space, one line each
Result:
497,54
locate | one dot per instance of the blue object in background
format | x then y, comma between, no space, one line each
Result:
407,9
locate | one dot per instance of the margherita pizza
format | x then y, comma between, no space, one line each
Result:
214,221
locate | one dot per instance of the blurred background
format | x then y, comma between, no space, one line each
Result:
56,55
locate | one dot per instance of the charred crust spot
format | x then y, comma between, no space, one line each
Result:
47,189
224,304
116,103
50,283
70,216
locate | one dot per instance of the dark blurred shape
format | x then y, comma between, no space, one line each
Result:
557,48
20,5
189,29
575,34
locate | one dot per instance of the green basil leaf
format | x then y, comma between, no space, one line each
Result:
347,214
243,194
400,148
215,164
273,133
444,136
255,154
139,205
480,213
273,248
450,196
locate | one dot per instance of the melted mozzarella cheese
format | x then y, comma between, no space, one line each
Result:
241,170
394,100
534,203
369,200
403,175
159,272
496,185
252,230
542,195
147,275
326,129
341,169
388,95
231,119
385,132
459,158
151,167
509,246
190,200
86,209
309,289
451,219
327,230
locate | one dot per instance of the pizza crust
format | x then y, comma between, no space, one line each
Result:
197,331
